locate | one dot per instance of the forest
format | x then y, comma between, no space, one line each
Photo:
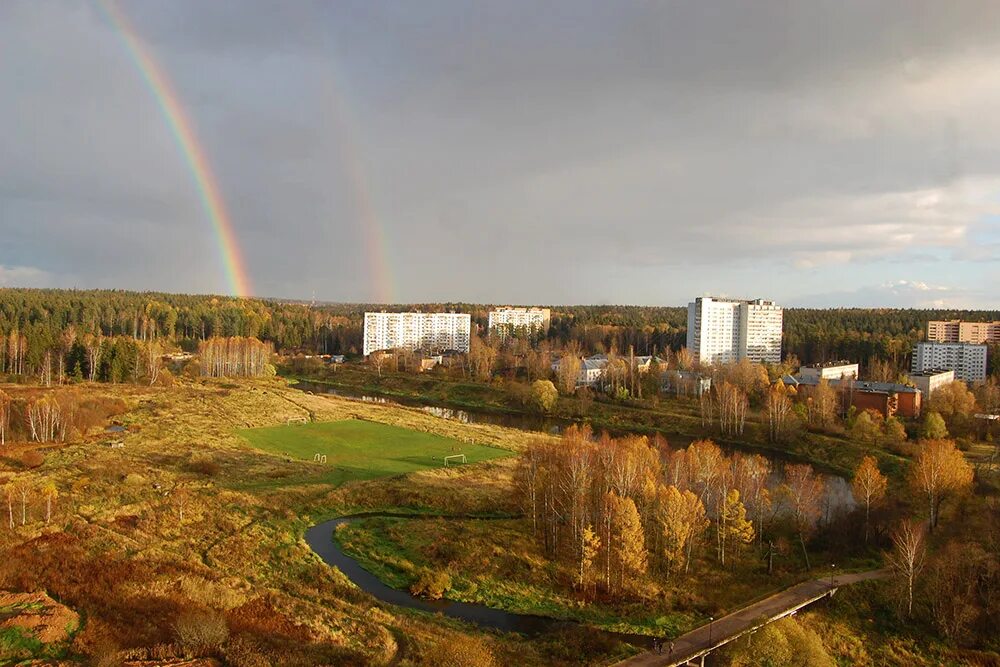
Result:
41,320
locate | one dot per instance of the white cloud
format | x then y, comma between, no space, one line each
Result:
24,276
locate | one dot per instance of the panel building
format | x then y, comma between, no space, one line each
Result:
967,360
957,331
727,330
831,370
430,332
505,322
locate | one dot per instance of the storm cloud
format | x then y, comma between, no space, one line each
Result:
818,153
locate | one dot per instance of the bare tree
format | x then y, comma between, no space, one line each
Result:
907,556
4,413
804,491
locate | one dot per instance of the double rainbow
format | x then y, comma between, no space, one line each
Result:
183,130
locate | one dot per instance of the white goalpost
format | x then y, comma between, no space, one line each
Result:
458,458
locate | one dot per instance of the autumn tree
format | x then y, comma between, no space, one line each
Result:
544,395
49,493
732,526
934,427
869,486
907,557
804,491
867,427
750,477
681,518
779,411
590,546
940,471
953,400
567,373
823,405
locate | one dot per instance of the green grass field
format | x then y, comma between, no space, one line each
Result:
357,449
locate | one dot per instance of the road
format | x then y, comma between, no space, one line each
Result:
723,630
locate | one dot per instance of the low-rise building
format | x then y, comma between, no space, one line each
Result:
930,381
887,398
832,370
968,360
686,383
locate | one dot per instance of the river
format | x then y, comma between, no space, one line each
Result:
321,536
320,539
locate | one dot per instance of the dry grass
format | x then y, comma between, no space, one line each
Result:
119,551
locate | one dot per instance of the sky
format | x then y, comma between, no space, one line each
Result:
817,153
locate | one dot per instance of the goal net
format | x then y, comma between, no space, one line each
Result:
454,458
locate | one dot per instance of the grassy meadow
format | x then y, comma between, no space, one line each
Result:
359,450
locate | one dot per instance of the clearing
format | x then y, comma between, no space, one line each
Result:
358,449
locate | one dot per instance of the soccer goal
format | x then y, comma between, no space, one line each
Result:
457,458
297,420
319,458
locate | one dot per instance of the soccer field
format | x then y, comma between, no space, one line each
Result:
365,450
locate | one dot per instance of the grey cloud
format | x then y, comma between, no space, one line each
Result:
629,152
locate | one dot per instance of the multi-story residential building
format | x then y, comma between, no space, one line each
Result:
966,359
431,332
507,321
931,380
957,331
832,370
728,330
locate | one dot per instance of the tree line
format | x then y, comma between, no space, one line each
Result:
613,509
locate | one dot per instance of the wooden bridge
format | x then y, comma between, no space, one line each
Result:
691,649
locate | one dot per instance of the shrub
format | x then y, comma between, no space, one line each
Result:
200,633
33,459
431,584
460,652
243,652
203,464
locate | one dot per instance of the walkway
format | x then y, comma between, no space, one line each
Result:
704,640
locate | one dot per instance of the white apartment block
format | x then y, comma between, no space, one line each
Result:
930,381
836,370
727,330
431,332
507,321
967,360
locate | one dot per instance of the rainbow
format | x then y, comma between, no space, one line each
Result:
183,130
368,219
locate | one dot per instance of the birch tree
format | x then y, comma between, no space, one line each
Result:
940,471
907,557
868,487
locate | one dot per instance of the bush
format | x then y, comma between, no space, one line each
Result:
431,584
201,633
460,652
243,652
33,459
203,464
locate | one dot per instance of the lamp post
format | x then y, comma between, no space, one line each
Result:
833,568
711,621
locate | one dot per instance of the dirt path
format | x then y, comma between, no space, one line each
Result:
721,631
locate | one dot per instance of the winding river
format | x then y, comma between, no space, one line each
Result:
320,539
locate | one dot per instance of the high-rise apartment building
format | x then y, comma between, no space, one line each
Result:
507,321
957,331
727,330
431,332
967,360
